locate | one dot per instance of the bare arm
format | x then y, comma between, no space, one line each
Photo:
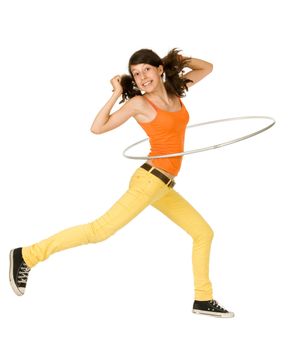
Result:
105,121
199,70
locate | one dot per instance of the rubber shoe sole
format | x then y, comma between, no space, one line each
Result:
214,314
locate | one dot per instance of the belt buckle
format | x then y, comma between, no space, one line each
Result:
170,183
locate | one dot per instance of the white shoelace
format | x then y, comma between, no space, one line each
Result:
215,303
23,273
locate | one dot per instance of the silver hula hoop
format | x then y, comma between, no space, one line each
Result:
208,147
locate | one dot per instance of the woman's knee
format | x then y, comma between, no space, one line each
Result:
204,233
209,233
96,232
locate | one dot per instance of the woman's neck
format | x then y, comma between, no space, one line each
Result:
160,94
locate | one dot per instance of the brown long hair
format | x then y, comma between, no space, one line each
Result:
173,65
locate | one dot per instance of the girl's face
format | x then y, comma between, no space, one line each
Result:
146,77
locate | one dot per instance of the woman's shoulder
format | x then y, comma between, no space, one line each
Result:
138,103
144,112
138,100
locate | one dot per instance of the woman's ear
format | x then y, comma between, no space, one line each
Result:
160,70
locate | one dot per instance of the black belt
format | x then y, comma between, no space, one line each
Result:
169,182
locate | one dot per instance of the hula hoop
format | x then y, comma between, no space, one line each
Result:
208,147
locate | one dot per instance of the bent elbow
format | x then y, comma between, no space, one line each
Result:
96,131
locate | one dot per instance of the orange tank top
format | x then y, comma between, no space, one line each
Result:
166,135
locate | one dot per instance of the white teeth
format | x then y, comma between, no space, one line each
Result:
148,82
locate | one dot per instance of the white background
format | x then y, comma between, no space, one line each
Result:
135,290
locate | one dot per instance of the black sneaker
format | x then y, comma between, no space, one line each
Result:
18,273
211,308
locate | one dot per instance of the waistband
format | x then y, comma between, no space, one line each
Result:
168,182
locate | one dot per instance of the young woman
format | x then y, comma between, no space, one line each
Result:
152,95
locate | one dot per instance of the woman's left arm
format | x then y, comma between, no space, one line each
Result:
199,70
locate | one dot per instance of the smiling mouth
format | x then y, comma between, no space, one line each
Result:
147,83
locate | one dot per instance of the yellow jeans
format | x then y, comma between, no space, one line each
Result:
144,189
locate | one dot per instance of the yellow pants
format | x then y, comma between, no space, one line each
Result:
144,189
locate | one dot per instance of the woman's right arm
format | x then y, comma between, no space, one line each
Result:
199,70
105,121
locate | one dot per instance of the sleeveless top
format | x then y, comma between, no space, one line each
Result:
166,135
